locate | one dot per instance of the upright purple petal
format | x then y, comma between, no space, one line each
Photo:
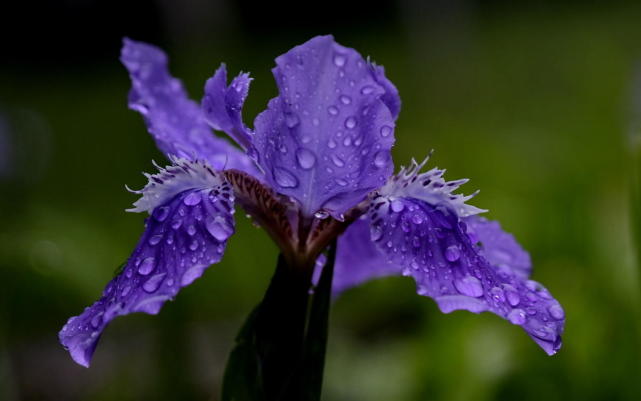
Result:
223,105
176,122
427,239
498,247
391,97
326,139
186,233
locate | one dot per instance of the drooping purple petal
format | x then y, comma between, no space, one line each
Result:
431,245
176,123
498,247
186,233
358,259
223,105
326,139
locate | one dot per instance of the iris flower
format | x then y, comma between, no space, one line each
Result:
315,168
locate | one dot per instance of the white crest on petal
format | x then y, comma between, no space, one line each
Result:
430,187
182,175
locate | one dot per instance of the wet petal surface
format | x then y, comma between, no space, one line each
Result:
223,105
431,245
497,246
184,235
176,123
326,139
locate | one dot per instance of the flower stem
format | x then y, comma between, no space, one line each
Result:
280,351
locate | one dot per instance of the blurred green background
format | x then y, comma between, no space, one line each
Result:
540,105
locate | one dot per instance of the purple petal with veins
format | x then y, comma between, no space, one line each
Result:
498,247
176,123
431,245
223,105
326,139
185,234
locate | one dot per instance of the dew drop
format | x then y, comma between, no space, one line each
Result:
339,60
154,282
155,239
397,206
219,228
517,316
367,89
161,213
191,230
284,178
380,159
306,159
315,122
452,253
556,311
332,110
469,285
331,144
96,320
176,223
341,182
385,131
375,233
147,266
512,297
192,199
417,218
345,99
350,122
321,215
194,245
338,162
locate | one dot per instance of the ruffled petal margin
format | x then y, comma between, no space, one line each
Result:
191,219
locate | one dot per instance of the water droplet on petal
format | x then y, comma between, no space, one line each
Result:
315,122
385,131
380,158
556,311
219,228
350,122
161,213
469,285
194,245
154,239
339,60
321,215
367,89
341,182
96,320
154,282
147,266
417,218
338,162
517,316
333,110
176,223
331,144
192,199
191,230
452,253
306,159
347,141
375,233
397,205
284,178
345,99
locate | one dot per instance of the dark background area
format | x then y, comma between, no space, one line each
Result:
538,103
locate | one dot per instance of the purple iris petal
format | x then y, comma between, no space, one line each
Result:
431,244
176,122
326,139
223,105
498,247
358,259
184,235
